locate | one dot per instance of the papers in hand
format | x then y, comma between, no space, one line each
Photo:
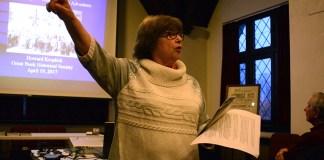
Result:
233,128
219,113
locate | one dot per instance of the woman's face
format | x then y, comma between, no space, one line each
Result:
168,49
310,114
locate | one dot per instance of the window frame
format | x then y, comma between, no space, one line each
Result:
279,53
250,55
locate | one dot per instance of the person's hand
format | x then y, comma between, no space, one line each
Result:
79,35
280,154
61,8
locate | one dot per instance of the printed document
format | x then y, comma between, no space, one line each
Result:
237,129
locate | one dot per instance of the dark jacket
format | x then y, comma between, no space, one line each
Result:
307,143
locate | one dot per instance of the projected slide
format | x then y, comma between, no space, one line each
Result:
37,55
35,43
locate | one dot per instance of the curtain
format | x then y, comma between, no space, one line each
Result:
230,63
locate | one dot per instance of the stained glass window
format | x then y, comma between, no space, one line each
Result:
242,38
263,77
262,67
262,32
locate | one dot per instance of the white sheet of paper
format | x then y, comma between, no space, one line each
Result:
238,129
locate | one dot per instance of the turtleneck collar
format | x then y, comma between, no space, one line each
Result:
162,75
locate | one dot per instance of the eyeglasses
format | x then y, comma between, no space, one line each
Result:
172,35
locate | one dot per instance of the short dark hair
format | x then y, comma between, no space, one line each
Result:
150,30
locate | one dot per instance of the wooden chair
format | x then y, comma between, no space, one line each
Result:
280,140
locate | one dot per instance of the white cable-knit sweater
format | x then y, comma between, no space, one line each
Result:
158,109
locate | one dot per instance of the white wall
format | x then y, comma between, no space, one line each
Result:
130,15
307,56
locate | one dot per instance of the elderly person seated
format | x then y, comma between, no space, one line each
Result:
310,145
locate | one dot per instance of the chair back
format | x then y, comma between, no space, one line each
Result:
281,140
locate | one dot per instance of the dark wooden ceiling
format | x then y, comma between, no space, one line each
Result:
190,12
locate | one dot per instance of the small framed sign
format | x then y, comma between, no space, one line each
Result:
247,97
